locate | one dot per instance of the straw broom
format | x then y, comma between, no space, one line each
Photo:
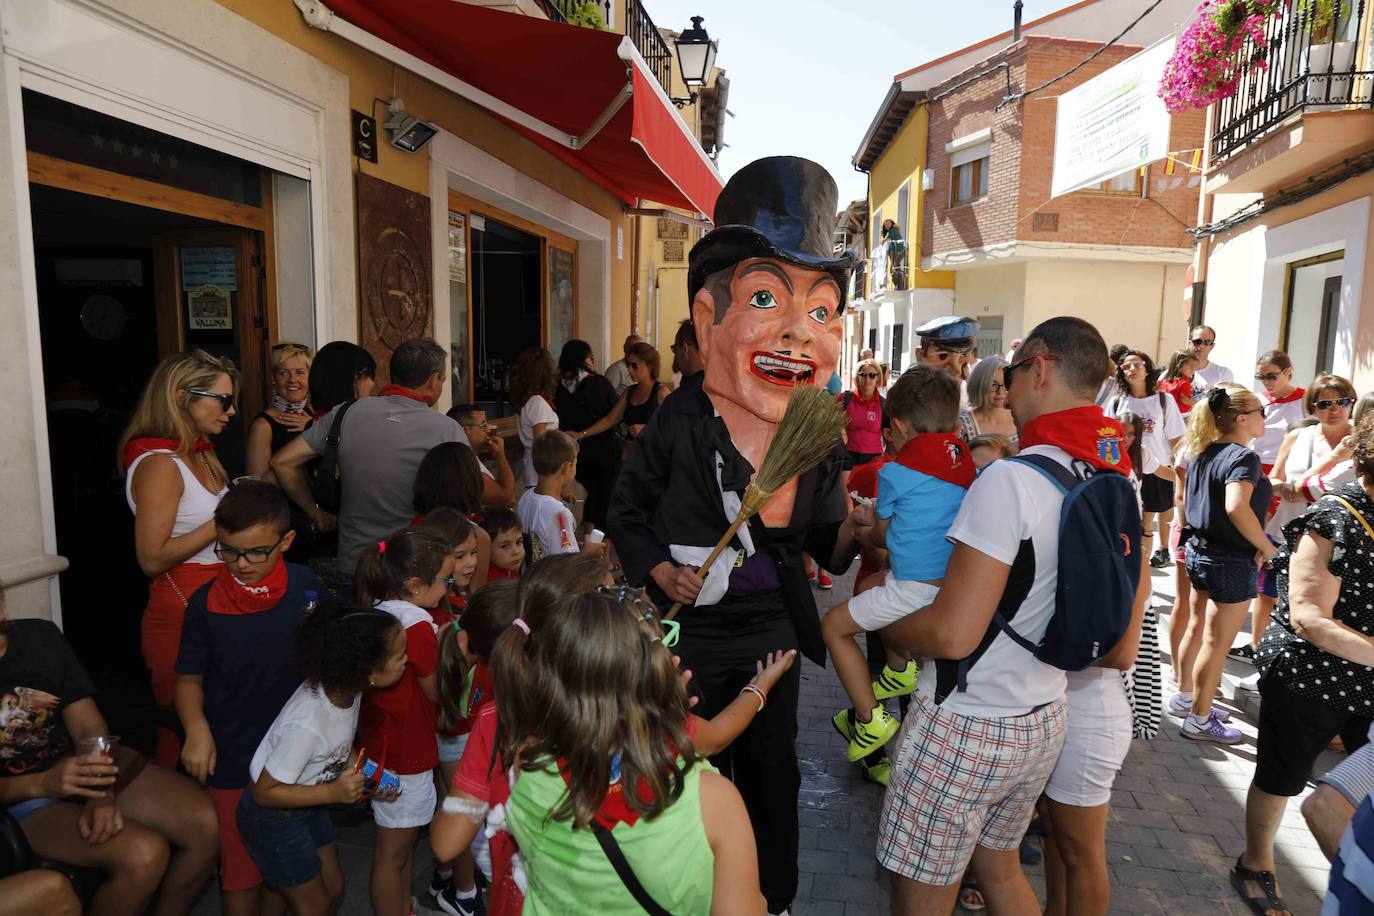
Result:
809,429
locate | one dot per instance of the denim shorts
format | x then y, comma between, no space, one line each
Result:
1226,578
451,747
283,841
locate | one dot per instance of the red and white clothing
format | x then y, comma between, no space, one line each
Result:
549,523
1279,416
399,722
865,429
1309,448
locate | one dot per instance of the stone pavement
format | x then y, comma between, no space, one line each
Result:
1177,820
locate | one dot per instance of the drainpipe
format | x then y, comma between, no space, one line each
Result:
1204,216
1016,21
634,275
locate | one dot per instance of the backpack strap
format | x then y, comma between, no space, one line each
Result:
845,398
1057,474
627,874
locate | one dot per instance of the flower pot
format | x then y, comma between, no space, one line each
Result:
1337,59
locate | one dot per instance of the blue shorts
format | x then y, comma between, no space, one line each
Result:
1226,578
23,809
1268,582
282,841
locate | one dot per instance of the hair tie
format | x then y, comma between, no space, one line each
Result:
524,627
1218,399
381,547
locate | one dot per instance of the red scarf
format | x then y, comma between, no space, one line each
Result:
230,596
141,446
496,573
1085,433
940,455
1294,395
403,392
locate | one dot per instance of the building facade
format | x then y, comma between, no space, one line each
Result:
1285,258
205,174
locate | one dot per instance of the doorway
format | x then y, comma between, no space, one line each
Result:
507,308
1312,306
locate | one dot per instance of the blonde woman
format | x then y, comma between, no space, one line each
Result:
289,413
173,484
1225,502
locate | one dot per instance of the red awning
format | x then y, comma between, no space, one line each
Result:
567,77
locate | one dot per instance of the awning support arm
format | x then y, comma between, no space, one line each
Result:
604,118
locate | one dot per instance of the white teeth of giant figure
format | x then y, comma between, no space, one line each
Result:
780,364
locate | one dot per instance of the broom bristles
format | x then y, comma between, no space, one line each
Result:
809,429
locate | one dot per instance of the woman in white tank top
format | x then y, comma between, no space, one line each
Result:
1312,451
173,484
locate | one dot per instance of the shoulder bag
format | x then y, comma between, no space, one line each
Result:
328,488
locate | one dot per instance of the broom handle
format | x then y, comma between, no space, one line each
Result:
740,519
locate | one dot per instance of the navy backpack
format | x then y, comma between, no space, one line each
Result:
1099,567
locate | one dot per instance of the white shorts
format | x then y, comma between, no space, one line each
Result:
890,602
1099,737
451,747
414,807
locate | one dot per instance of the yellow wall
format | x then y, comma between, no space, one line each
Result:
370,76
904,160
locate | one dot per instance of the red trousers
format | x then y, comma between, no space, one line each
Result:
161,640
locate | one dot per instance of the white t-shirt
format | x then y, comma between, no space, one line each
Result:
536,411
549,524
1162,423
618,374
1206,379
309,742
1279,416
1010,507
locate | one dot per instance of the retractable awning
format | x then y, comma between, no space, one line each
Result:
584,95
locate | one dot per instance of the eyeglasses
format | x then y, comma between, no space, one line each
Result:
1328,403
868,375
1203,341
226,401
277,348
1268,376
1008,370
998,386
252,554
644,610
671,629
486,426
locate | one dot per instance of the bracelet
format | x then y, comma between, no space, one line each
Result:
754,689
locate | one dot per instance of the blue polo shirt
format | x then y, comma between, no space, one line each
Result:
920,509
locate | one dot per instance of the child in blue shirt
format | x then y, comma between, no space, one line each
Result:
919,494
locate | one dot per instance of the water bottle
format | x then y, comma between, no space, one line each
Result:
312,601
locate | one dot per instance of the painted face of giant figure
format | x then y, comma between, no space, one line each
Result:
779,328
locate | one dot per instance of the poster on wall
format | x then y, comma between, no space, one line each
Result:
394,259
1113,123
208,309
211,265
457,247
671,229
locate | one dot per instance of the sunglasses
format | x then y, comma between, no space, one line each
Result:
1009,370
277,348
1268,376
252,554
226,401
1202,341
1328,403
868,375
644,609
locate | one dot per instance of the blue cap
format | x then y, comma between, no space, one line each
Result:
952,331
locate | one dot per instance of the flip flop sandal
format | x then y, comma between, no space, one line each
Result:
971,897
1261,906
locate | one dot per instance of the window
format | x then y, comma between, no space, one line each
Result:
873,340
1311,312
898,333
968,182
1132,183
904,206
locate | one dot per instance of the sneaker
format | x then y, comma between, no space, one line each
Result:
450,902
880,772
865,737
1249,684
1183,708
438,885
1245,652
1160,558
823,580
891,683
1211,729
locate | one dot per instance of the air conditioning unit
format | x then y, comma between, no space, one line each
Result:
928,180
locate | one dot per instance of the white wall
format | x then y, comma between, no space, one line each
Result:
997,289
1125,300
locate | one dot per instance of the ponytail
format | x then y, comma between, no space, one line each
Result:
1215,415
385,567
451,676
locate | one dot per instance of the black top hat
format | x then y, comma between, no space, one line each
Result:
779,207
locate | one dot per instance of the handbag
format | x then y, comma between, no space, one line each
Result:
1353,511
627,874
328,489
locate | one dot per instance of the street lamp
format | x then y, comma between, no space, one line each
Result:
696,55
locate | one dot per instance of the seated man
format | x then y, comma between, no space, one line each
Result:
146,827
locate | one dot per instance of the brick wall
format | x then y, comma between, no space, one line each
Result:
1022,157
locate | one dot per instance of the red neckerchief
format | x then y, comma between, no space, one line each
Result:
497,574
614,809
1085,433
230,596
403,392
1295,395
145,444
939,455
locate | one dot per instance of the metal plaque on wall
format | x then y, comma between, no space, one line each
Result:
394,264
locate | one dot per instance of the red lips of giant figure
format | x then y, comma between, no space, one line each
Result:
782,369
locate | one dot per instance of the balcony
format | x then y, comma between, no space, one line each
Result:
1318,57
637,24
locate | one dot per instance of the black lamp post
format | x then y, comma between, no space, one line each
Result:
696,55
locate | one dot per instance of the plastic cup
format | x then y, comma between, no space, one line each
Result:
596,536
103,745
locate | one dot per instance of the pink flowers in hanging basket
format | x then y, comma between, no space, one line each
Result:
1223,41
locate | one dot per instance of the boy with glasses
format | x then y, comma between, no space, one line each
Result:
497,489
235,668
1208,374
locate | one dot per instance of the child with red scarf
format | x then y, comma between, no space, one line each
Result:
919,493
235,668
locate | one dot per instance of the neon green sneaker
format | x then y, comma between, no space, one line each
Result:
865,737
880,772
892,683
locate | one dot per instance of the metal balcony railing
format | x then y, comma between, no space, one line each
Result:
562,10
655,51
1318,55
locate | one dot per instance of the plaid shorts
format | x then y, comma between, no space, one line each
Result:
960,782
